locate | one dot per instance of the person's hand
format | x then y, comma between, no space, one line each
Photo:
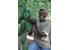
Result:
29,38
42,35
32,21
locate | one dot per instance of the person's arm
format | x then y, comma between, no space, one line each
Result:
40,33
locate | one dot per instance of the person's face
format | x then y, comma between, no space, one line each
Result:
42,15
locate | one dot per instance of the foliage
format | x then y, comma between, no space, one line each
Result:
33,6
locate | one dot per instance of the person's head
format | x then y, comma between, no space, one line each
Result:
42,14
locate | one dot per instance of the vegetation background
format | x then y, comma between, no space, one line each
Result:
33,6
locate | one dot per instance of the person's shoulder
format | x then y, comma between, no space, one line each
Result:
48,21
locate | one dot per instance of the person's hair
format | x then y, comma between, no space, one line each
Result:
43,10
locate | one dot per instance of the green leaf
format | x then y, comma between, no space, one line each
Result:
23,38
21,29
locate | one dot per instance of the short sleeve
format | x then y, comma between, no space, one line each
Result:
47,28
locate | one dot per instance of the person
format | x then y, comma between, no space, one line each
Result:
42,32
